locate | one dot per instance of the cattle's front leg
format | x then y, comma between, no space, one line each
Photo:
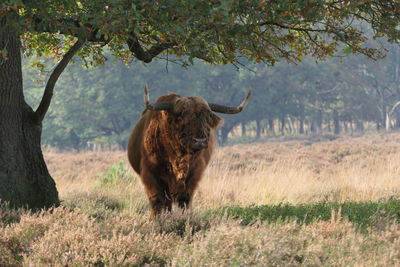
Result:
159,203
184,200
181,193
157,193
185,194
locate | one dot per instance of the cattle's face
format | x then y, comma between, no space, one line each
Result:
192,122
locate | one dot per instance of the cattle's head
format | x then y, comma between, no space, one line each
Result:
191,119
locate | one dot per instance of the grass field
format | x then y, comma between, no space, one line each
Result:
291,203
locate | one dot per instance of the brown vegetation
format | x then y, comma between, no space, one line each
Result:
346,169
104,221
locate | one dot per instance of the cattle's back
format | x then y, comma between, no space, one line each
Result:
136,141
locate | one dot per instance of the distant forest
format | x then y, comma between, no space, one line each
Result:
97,108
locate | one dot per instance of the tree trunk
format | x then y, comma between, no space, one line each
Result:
258,128
388,123
378,125
271,126
223,137
351,126
318,121
291,127
359,126
123,144
345,127
383,108
282,128
224,131
389,115
328,125
24,178
336,122
243,127
75,140
313,128
301,126
397,125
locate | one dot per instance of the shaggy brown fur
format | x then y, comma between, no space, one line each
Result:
164,150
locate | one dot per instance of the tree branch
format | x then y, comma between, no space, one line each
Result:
90,33
48,91
147,55
300,29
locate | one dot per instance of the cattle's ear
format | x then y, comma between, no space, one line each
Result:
215,120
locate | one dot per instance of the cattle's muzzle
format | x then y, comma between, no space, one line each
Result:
199,143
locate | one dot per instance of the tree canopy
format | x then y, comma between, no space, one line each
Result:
218,31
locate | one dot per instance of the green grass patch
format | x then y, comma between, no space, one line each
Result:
116,173
361,214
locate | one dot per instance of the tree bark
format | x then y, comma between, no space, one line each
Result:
258,128
313,127
282,126
397,125
301,125
389,115
318,121
359,126
24,178
271,126
345,127
378,125
336,122
243,127
223,137
383,106
225,129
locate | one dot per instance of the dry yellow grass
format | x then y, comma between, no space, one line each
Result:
347,169
92,229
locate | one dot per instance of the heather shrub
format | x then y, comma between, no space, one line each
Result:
65,237
9,215
185,224
231,244
76,239
97,204
325,243
16,238
10,250
275,204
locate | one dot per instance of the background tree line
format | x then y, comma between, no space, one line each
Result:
101,105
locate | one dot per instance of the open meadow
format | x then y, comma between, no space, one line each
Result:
288,203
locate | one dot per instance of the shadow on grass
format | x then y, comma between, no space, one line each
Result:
361,214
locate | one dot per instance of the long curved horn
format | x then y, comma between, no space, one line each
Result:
230,110
156,105
146,95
